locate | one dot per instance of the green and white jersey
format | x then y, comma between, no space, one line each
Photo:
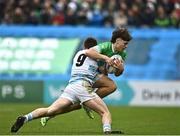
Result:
106,49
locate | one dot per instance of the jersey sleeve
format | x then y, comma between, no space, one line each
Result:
102,47
97,48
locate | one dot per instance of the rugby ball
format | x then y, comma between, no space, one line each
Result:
111,69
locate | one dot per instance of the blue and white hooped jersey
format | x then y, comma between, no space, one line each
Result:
84,68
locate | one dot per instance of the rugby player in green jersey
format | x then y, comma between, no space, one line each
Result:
117,45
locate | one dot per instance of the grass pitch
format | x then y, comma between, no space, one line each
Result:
132,120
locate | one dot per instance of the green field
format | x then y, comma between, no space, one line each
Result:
132,120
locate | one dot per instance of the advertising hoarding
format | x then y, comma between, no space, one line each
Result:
21,91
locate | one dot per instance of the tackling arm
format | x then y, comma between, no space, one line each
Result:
92,53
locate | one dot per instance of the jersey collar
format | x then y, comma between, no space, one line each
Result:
114,52
113,48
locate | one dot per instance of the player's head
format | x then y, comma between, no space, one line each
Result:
90,42
120,38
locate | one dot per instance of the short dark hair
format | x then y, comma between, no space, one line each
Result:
121,33
90,42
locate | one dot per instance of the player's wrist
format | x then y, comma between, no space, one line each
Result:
105,58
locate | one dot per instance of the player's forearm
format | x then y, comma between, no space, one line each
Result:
95,55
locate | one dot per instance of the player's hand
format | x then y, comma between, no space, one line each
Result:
119,64
109,61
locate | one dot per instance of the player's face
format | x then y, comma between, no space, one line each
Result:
120,44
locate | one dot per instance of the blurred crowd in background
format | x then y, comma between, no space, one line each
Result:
108,13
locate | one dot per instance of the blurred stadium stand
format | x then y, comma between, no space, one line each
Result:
107,13
153,54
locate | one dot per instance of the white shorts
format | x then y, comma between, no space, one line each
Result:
79,91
